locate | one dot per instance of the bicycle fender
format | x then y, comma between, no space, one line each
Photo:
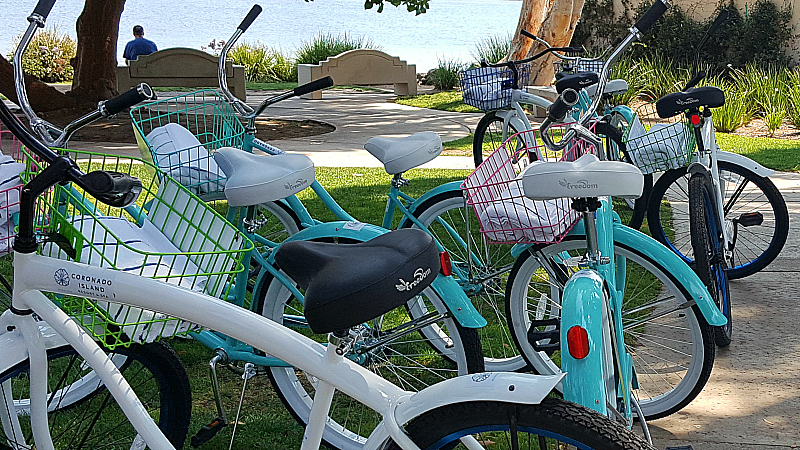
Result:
446,287
488,386
582,305
457,302
655,250
626,112
744,161
447,187
676,266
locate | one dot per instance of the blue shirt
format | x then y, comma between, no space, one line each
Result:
139,46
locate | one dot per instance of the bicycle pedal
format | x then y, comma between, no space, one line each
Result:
207,432
553,336
750,219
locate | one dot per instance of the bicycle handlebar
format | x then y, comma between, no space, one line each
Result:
561,106
251,16
130,98
651,16
43,9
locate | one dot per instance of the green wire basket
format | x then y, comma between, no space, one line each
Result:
180,134
655,144
169,234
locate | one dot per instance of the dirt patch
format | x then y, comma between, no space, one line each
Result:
120,129
758,128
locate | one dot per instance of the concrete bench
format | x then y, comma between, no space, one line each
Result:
183,67
362,67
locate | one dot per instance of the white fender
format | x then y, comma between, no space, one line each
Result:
487,386
509,115
744,161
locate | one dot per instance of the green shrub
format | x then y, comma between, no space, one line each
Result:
794,97
736,111
492,49
47,57
324,46
761,34
445,77
263,64
630,70
661,76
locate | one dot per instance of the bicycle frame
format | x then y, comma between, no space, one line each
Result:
33,274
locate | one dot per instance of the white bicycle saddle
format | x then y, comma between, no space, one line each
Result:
401,154
613,87
254,179
585,177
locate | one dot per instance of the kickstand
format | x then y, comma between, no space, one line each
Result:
249,371
642,420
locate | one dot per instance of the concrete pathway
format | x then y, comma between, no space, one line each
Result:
751,402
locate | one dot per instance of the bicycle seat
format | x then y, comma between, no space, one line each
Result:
673,104
254,179
613,87
585,177
348,284
577,81
401,154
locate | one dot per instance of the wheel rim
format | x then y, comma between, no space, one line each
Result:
492,137
668,351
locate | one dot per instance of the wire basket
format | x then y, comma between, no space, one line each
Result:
489,88
180,134
494,190
582,66
9,207
169,234
655,144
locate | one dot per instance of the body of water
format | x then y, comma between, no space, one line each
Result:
449,30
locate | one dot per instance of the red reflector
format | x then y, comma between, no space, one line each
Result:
578,342
695,118
447,268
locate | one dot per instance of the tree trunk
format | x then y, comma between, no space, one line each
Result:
42,96
557,29
531,17
96,56
552,20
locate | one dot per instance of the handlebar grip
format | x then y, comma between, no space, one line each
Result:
527,34
652,15
112,188
249,18
721,18
43,8
559,109
315,85
578,50
130,98
695,79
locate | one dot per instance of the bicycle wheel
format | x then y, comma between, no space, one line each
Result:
631,211
709,255
445,218
407,360
489,135
83,414
746,197
671,344
552,424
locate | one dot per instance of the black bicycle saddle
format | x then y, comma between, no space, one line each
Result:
348,284
673,104
577,81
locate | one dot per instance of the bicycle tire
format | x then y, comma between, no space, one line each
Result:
631,212
487,295
707,245
672,354
554,421
92,417
488,136
351,422
745,192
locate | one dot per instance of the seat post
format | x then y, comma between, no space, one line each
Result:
587,207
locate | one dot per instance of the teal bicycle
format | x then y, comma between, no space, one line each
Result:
645,314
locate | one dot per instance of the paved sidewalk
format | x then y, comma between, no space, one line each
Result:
751,402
